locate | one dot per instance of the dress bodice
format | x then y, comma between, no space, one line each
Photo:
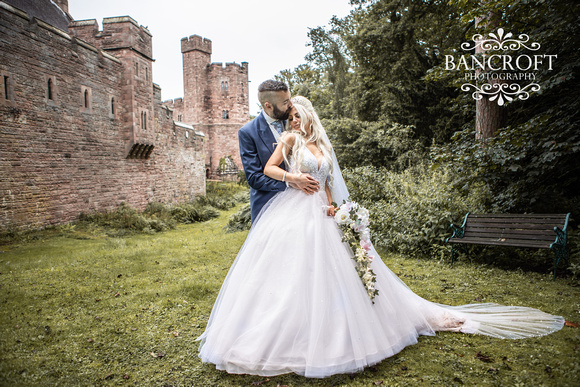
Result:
310,165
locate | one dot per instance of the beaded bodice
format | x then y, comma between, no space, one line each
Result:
310,165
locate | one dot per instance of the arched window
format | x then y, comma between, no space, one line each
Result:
144,120
223,114
86,98
226,86
49,88
227,114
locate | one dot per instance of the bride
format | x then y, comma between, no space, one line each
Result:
293,301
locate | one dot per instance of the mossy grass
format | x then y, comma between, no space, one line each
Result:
126,310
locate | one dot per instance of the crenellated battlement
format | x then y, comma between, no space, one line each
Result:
229,66
196,43
118,33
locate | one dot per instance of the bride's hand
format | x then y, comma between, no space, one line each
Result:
331,210
306,183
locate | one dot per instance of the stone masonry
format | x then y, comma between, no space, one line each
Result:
82,125
215,101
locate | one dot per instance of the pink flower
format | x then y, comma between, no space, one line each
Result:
347,206
365,245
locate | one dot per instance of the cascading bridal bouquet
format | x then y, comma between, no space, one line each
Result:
353,220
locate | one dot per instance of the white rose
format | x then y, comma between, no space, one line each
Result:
363,216
342,217
368,276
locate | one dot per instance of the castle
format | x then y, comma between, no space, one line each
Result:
83,127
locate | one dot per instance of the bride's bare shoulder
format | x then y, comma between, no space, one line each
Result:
289,137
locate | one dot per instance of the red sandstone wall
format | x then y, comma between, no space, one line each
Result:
132,45
58,158
210,90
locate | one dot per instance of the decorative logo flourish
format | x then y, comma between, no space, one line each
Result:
500,42
500,91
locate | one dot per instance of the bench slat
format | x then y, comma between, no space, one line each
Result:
515,224
509,231
510,216
532,237
521,226
498,242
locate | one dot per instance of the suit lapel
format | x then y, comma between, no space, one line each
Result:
265,133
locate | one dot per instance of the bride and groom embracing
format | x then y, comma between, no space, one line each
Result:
292,300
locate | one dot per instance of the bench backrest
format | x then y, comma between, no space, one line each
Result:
525,229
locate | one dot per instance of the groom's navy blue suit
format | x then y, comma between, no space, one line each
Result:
257,144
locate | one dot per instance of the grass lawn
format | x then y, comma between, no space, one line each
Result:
83,309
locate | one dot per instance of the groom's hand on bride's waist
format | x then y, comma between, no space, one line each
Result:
306,183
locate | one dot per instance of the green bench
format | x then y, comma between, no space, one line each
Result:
540,231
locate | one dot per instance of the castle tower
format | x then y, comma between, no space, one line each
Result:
131,43
216,100
196,52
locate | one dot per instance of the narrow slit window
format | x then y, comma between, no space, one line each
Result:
49,88
86,99
113,105
6,88
144,120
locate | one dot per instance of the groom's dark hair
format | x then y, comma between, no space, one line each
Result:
267,89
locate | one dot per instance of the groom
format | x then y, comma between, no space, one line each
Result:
259,138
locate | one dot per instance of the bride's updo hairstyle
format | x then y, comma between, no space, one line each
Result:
308,117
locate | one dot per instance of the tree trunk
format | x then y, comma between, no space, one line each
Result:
489,116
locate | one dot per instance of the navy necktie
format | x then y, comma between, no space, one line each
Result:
278,126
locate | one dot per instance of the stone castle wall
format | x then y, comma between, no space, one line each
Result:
82,124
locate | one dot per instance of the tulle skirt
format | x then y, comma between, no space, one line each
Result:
293,302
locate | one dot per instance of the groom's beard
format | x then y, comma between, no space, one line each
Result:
279,114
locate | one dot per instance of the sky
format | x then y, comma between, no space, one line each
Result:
270,35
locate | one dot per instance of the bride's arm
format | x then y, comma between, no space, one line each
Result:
304,182
329,196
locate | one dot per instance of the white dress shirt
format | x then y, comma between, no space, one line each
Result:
270,120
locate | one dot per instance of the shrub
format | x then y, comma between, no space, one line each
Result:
241,220
242,197
218,202
127,218
193,212
411,211
156,217
223,189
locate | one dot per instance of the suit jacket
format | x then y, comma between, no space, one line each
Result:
257,143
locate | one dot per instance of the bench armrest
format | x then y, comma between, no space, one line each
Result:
458,231
561,234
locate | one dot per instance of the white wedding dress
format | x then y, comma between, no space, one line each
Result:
293,302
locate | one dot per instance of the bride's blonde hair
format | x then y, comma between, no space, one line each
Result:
308,116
